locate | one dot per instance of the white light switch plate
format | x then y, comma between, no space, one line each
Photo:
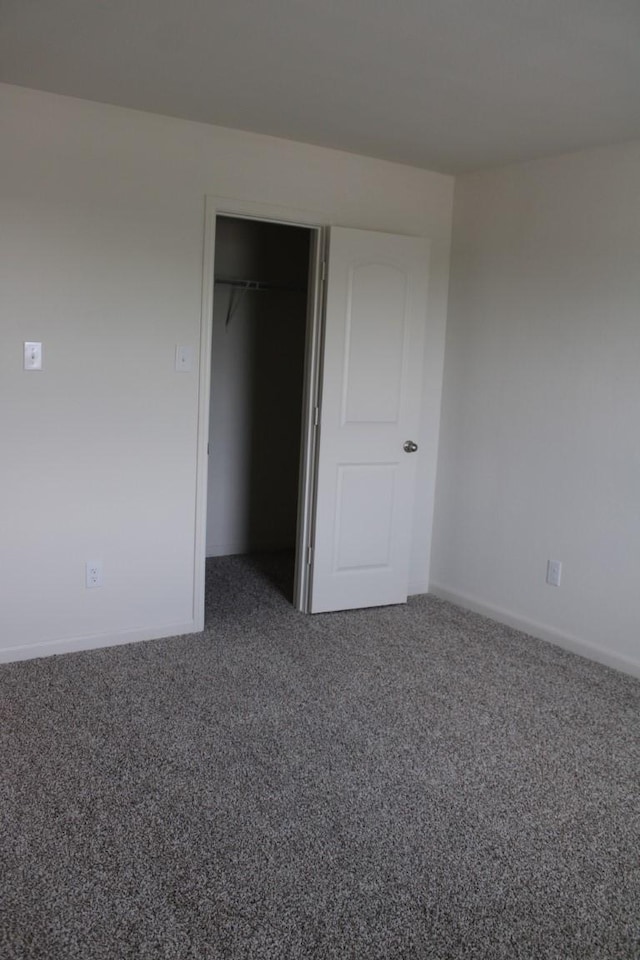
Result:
32,355
184,358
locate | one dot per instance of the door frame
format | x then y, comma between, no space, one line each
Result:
312,220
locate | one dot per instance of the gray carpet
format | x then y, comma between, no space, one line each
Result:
409,782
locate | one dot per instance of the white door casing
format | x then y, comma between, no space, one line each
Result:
376,307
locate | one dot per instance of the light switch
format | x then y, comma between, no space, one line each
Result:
32,356
184,358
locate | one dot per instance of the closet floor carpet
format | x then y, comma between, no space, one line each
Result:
407,782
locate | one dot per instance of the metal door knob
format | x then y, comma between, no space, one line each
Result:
409,446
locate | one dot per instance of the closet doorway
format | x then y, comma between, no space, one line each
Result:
263,382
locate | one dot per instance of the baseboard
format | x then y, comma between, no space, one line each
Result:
539,630
48,648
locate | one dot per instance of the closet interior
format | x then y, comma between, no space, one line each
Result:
257,379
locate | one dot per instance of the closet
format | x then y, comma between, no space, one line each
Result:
257,379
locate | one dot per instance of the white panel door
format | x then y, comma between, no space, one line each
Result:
376,307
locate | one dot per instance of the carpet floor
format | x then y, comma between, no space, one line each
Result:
410,782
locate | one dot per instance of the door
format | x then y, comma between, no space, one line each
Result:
376,307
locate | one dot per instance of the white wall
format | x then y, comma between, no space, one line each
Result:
540,435
257,370
101,245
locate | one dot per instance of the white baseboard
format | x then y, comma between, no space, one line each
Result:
48,648
539,630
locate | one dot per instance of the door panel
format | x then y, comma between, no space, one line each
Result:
371,388
373,367
364,522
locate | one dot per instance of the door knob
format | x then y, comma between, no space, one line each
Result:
409,446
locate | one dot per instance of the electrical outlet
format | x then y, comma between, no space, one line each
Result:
554,572
93,574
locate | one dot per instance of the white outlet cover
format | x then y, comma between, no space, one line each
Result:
554,572
93,574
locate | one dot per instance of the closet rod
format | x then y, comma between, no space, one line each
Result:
243,286
256,285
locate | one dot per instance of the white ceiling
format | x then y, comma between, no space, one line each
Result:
450,85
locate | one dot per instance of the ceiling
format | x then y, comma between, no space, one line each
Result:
450,85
